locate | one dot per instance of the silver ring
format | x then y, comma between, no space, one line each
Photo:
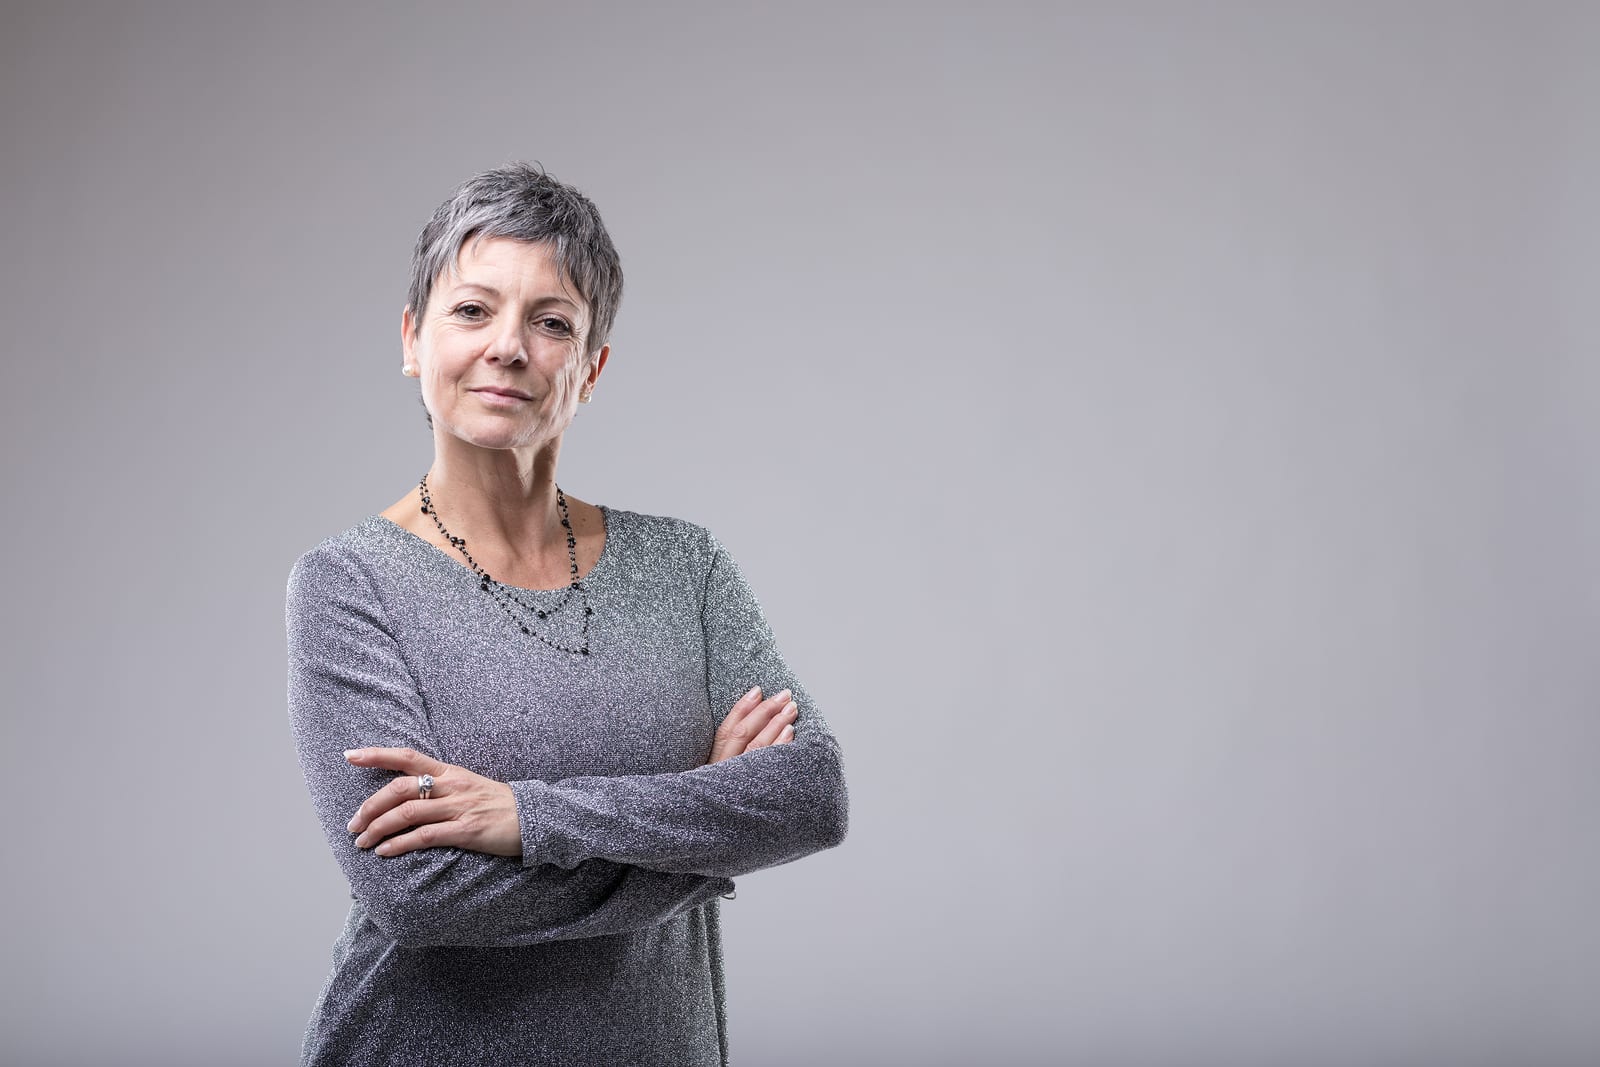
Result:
424,786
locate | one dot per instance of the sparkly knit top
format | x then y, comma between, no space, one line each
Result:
600,944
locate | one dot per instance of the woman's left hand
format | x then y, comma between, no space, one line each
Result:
463,809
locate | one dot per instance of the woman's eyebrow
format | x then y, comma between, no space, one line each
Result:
492,291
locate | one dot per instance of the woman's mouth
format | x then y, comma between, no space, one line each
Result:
495,399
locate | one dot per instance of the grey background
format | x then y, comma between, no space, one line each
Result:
1162,437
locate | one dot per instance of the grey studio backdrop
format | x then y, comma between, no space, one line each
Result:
1162,437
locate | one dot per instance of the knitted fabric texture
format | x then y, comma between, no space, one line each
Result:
601,943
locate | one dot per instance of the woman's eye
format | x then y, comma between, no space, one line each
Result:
470,311
555,325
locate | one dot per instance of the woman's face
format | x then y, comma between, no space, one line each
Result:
506,320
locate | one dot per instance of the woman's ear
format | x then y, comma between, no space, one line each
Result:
407,336
599,364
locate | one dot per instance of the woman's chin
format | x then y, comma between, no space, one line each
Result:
500,434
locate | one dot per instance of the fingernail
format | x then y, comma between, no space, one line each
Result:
753,692
350,752
788,731
351,825
785,693
790,708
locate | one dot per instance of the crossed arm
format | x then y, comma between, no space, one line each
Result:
451,805
591,855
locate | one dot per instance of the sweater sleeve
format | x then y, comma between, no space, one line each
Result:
759,809
351,687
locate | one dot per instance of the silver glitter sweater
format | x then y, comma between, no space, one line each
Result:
600,944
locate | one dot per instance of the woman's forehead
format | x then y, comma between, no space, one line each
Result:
499,264
506,255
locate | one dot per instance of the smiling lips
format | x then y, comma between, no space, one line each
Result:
508,396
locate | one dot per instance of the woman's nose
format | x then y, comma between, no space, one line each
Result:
506,345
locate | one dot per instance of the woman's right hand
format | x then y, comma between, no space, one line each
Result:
755,723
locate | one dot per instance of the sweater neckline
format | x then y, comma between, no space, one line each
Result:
428,548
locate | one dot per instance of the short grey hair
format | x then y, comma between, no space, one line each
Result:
521,201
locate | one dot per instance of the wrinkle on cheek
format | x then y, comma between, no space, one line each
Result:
562,387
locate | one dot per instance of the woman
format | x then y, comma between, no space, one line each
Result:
542,735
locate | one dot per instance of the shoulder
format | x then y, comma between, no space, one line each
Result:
667,541
660,533
338,557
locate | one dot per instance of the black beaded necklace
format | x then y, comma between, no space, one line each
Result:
496,589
